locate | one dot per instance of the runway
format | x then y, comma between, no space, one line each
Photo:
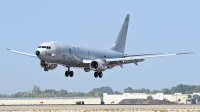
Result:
102,108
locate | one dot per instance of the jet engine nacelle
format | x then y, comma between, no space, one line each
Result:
50,66
98,65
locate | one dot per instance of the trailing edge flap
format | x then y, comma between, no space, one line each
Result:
143,57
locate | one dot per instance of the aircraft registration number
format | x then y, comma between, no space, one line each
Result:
47,54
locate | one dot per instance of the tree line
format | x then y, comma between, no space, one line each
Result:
98,92
181,88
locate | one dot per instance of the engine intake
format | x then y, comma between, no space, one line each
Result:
99,65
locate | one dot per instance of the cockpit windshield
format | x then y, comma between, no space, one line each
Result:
47,47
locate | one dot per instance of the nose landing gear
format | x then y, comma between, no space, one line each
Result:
43,64
46,68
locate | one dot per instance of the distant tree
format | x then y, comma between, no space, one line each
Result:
62,93
137,91
145,90
4,96
117,92
75,94
155,91
104,89
98,92
46,95
142,90
196,89
17,95
166,91
149,97
128,90
182,89
36,90
26,94
50,91
1,95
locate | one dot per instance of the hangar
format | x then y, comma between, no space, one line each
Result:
57,100
178,98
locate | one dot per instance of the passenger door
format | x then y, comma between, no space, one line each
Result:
57,49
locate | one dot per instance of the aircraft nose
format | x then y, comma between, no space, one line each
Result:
37,53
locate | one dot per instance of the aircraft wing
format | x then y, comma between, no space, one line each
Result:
134,58
18,52
140,57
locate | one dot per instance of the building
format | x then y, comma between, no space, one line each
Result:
177,97
64,100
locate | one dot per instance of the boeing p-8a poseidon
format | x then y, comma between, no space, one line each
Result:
53,53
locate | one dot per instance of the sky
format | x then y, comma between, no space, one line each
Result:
156,26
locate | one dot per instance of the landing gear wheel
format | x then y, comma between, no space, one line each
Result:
100,74
46,68
66,74
95,74
71,73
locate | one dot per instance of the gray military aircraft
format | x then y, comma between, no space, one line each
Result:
53,53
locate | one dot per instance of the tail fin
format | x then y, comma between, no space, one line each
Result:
119,44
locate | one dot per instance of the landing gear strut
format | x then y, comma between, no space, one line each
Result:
69,73
98,74
46,67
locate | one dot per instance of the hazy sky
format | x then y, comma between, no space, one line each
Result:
156,26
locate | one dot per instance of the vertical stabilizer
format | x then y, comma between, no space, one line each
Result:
119,44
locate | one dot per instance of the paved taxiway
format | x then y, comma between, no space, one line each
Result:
102,108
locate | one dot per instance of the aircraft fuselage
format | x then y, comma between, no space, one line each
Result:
70,55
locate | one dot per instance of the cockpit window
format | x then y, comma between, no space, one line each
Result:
47,47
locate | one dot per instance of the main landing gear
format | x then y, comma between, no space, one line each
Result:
69,73
98,74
